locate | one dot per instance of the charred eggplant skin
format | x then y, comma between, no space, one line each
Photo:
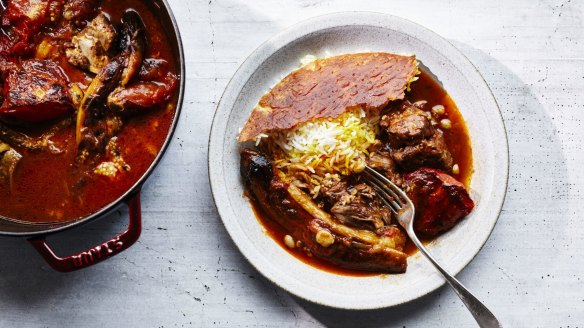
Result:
273,196
130,97
92,131
255,167
133,42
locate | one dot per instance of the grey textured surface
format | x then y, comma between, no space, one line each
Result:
185,271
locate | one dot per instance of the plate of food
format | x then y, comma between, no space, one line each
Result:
309,110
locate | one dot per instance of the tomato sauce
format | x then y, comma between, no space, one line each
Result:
56,187
457,139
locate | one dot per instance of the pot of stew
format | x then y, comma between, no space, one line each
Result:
91,95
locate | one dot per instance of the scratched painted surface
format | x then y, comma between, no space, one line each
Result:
186,272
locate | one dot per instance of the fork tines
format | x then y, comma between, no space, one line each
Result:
387,190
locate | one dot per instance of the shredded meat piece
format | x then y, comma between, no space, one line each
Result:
333,191
115,163
356,206
381,160
365,191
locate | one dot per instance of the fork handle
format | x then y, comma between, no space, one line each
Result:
483,316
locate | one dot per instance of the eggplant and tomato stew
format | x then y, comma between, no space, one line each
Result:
88,97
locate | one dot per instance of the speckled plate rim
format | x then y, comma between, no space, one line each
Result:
223,195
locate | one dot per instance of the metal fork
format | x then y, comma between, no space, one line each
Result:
403,208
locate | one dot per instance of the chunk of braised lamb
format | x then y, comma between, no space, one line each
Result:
361,208
384,164
333,191
26,16
37,91
407,125
90,47
365,191
432,152
440,200
380,159
358,214
414,142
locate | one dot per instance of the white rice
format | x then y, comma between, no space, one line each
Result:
327,145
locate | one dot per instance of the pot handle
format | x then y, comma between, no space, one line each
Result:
98,253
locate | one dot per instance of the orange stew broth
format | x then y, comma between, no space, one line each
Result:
457,139
55,187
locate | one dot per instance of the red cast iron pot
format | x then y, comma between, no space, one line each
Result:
37,233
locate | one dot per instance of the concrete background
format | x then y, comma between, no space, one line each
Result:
186,272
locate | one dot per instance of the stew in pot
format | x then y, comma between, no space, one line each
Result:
89,90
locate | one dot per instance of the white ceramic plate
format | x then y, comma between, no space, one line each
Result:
349,33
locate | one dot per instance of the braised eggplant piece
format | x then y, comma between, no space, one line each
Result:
96,124
132,44
37,91
92,129
156,84
440,201
320,234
